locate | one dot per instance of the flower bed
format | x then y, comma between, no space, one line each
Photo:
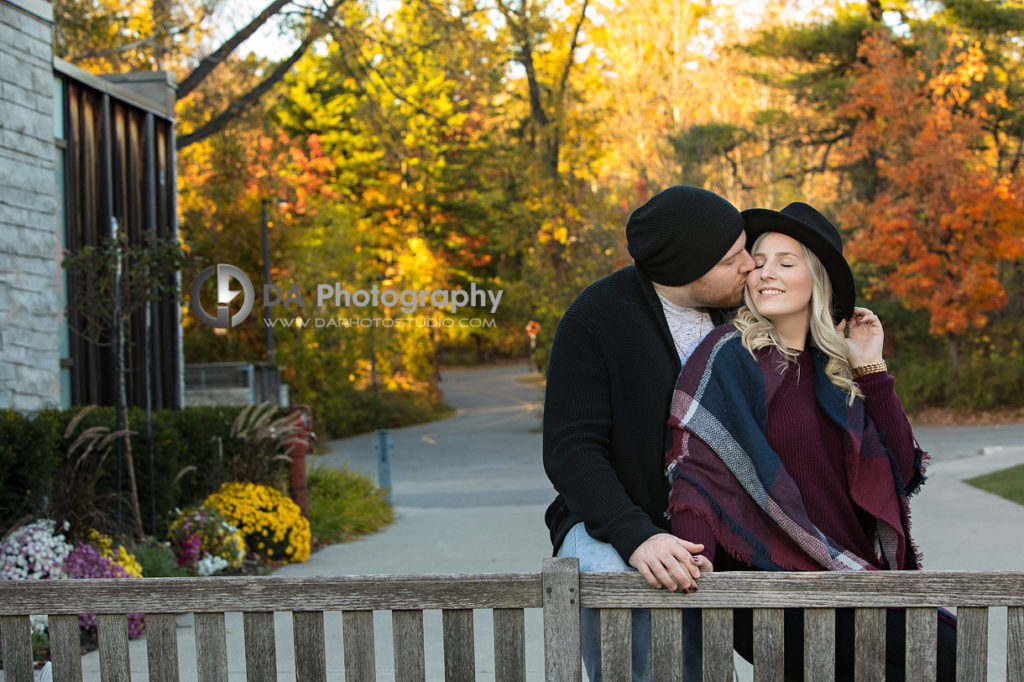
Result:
272,525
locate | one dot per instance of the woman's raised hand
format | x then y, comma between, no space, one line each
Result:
864,337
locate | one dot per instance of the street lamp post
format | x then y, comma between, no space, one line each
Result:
266,280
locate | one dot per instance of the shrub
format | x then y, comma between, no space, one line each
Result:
344,505
34,552
272,525
157,560
203,542
28,461
85,561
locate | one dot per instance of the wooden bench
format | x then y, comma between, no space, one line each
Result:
559,589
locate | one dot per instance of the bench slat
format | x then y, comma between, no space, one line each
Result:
509,645
717,644
560,579
667,644
869,643
188,595
769,635
616,645
819,637
357,633
459,656
407,637
1015,644
211,647
66,648
162,647
922,634
308,640
825,589
16,638
742,589
260,646
112,638
971,643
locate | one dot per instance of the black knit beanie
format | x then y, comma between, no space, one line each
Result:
681,233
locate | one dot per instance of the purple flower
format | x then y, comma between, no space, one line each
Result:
191,548
85,561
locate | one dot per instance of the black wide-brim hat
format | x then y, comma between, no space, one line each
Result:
809,227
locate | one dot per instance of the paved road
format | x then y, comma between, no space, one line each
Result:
470,494
487,454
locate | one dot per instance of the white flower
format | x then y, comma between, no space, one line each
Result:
33,552
210,564
39,624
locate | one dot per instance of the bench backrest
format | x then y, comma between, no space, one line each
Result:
559,589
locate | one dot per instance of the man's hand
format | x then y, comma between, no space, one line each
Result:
667,561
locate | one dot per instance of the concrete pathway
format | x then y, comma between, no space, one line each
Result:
470,494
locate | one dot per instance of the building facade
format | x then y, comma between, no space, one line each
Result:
81,156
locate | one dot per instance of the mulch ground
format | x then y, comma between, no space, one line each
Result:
942,416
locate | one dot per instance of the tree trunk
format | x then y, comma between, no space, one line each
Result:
954,355
122,407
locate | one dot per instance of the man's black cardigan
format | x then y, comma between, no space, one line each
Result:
612,371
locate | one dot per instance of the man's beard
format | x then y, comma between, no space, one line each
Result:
707,296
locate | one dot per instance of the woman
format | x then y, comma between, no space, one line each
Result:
791,450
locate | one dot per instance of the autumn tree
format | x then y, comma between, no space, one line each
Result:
939,219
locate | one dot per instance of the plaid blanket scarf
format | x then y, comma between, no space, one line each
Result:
733,479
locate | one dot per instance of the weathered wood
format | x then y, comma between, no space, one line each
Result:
66,649
211,647
185,595
112,639
407,637
260,646
559,588
308,639
1015,644
560,578
600,590
357,632
509,645
717,643
922,634
826,589
869,645
162,647
16,639
769,639
616,645
819,638
459,655
667,644
971,643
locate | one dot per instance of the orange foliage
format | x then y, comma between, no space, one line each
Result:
941,218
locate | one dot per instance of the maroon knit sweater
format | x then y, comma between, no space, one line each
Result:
810,448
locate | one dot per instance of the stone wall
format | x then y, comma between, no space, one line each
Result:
30,272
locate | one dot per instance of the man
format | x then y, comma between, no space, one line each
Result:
615,358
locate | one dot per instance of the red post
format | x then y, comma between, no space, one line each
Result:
297,448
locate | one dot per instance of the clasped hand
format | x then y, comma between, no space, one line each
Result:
667,561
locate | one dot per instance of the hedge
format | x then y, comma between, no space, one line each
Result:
32,454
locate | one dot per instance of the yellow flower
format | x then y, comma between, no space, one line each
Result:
261,512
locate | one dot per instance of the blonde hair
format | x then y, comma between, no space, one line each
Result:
758,332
